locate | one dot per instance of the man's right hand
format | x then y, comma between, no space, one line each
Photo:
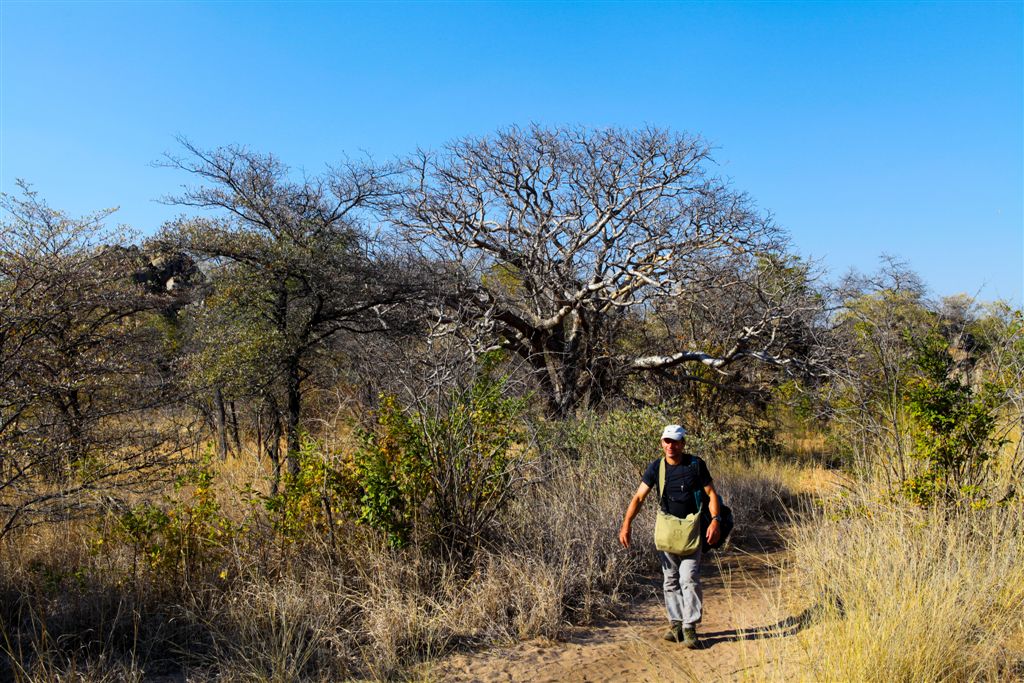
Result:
634,507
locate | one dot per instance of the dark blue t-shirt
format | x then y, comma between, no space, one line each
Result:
680,483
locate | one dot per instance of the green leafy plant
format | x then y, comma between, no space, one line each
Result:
443,470
314,500
178,537
954,422
390,469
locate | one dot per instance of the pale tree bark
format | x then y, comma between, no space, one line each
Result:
562,238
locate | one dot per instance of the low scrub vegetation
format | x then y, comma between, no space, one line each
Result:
231,584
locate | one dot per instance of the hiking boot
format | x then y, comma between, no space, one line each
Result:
689,638
674,634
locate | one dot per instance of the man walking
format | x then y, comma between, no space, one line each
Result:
684,476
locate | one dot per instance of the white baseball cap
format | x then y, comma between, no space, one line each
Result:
674,432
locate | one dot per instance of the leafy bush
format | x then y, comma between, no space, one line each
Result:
955,426
391,472
630,435
179,537
314,501
443,470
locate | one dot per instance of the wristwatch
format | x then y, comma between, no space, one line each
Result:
717,518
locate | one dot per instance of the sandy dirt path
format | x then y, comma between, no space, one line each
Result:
748,634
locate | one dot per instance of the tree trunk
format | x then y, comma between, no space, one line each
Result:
292,416
546,372
234,428
274,446
259,431
220,423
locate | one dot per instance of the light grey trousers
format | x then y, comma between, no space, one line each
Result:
682,587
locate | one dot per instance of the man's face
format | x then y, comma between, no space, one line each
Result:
673,449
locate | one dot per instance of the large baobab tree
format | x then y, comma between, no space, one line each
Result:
562,238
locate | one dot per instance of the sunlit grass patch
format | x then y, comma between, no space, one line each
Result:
912,594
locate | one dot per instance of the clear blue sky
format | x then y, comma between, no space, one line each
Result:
865,128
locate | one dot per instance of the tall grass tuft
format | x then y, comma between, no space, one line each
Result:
910,594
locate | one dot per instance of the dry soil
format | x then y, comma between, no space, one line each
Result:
749,632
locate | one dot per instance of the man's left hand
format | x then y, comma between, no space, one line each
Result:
713,532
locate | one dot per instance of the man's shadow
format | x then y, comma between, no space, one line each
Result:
782,629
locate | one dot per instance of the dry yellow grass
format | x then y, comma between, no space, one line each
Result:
907,594
900,594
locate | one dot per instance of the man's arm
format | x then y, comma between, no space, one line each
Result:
714,506
631,512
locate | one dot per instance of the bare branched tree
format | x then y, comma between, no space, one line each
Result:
294,262
558,236
765,307
82,371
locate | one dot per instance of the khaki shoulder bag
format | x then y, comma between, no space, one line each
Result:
676,535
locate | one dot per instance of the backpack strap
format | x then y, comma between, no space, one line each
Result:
697,491
661,483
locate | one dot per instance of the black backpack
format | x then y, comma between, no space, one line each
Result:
725,524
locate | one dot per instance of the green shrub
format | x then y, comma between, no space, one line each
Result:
954,426
441,470
390,471
314,501
628,435
178,537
